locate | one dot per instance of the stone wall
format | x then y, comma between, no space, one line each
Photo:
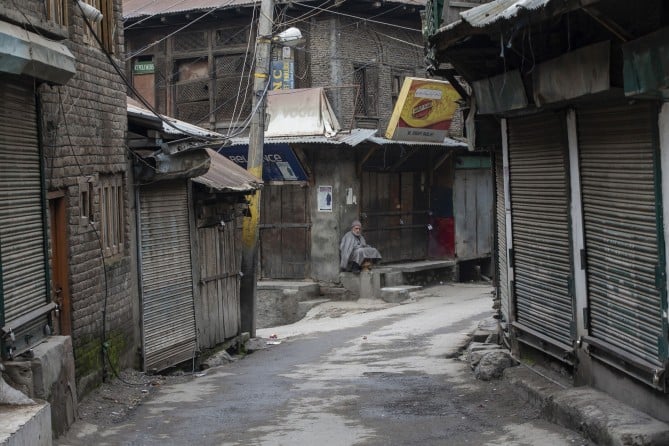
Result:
83,126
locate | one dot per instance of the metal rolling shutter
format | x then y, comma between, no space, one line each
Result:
502,265
539,191
22,232
168,314
617,164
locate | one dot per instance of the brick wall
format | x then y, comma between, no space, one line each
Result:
83,128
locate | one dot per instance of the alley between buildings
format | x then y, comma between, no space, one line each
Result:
350,373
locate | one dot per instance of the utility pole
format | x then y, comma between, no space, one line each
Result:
254,166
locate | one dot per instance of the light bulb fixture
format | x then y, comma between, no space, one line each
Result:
289,37
91,13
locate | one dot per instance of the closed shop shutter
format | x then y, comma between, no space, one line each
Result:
539,189
617,165
22,232
501,263
168,314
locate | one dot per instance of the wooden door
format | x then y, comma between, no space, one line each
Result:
220,263
473,204
285,232
60,290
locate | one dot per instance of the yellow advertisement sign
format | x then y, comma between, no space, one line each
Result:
424,111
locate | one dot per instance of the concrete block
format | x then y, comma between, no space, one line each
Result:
398,294
49,376
26,425
370,286
605,420
351,282
393,278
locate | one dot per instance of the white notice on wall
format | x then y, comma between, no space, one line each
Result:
324,198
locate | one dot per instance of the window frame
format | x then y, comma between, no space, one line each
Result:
105,29
112,214
57,11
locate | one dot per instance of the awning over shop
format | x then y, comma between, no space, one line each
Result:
489,16
349,138
279,161
25,53
226,176
301,112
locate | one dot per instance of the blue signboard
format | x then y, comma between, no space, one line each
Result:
282,75
279,163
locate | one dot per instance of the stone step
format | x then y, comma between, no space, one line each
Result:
337,293
396,294
306,305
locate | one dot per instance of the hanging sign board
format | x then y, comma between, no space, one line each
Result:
282,75
424,111
279,162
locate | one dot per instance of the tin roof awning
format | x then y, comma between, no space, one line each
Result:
490,16
25,53
348,138
446,143
226,176
143,8
166,124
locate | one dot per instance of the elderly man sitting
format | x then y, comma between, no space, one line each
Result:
355,254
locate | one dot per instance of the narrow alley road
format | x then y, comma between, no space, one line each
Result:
345,375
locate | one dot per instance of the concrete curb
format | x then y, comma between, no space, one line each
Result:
599,417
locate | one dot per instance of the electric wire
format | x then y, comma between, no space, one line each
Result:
103,345
132,88
192,22
361,19
152,15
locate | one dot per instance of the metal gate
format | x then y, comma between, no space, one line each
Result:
502,278
539,189
618,162
168,314
23,296
394,213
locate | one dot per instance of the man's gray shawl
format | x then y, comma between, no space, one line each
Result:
354,249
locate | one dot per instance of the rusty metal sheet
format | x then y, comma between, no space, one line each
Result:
226,176
539,192
24,259
168,315
578,73
617,165
143,8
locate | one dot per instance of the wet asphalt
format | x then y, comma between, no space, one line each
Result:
388,377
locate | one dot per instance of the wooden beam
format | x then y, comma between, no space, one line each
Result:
609,24
365,158
442,160
403,159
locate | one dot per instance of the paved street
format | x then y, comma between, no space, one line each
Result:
351,373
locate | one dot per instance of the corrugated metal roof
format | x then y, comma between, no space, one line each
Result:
352,138
177,128
226,176
491,14
497,10
142,8
448,142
